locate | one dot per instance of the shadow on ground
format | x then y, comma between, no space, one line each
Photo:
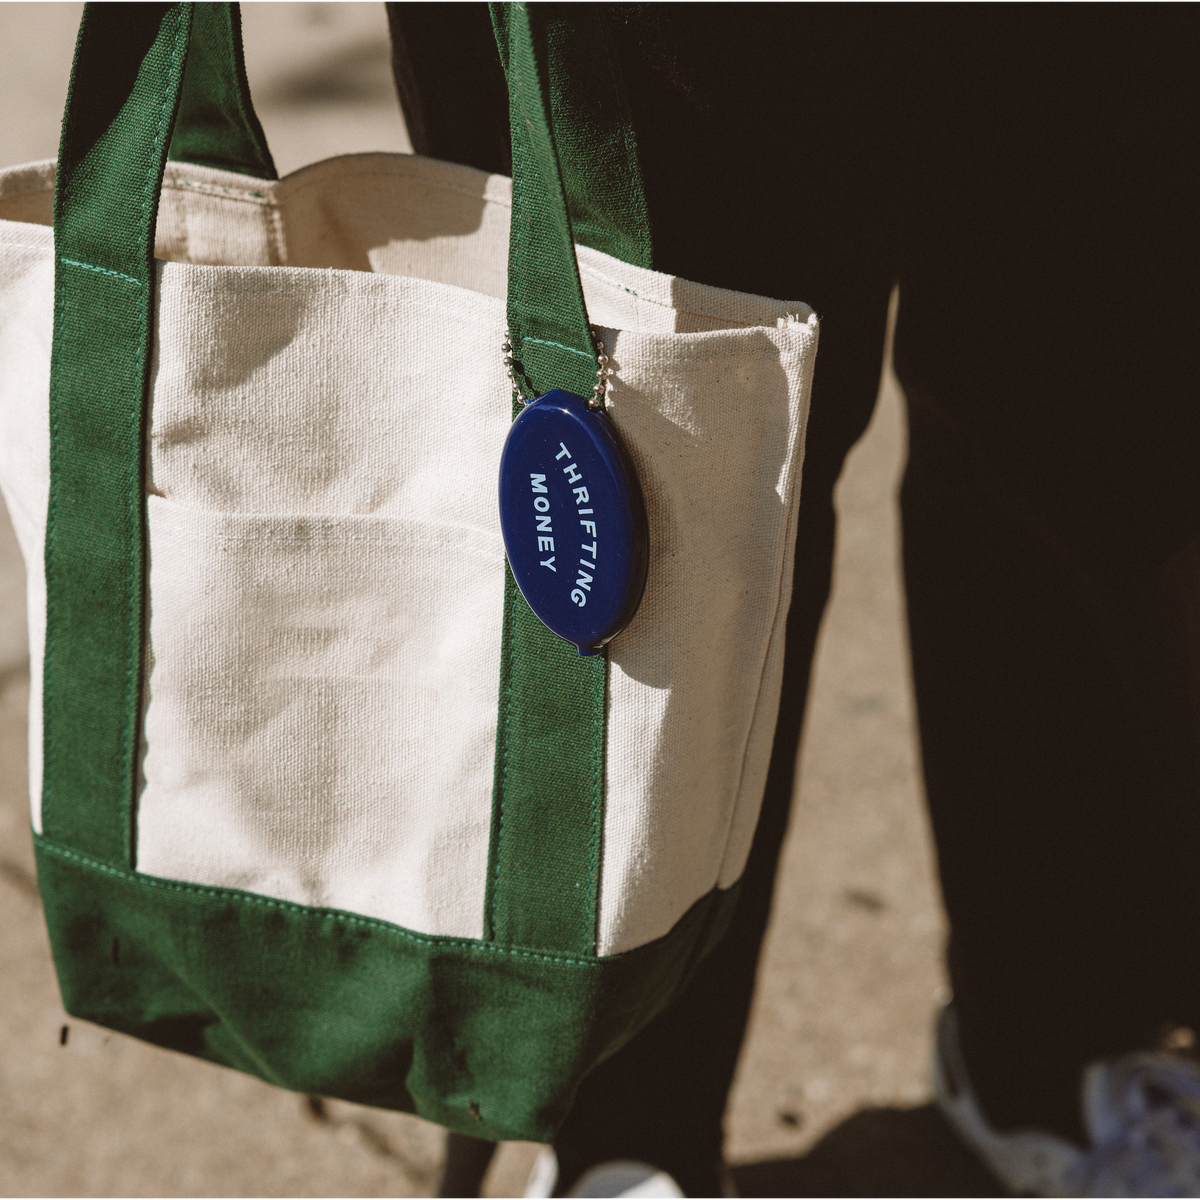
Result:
876,1152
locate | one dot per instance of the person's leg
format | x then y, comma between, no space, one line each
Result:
767,139
1047,344
451,84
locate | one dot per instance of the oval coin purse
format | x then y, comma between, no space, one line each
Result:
573,519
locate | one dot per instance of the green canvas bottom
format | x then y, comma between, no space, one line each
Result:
485,1039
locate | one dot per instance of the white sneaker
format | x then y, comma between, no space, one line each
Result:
621,1177
1141,1112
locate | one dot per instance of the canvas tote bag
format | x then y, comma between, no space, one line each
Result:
314,794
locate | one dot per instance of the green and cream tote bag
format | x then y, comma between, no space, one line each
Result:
314,794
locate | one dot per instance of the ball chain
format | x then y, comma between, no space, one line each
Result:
603,373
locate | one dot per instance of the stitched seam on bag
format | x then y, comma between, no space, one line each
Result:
557,345
137,581
135,617
186,236
277,248
71,262
599,729
494,881
51,558
329,914
264,200
215,189
628,290
330,536
599,276
514,257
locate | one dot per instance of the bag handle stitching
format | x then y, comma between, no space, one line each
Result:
334,914
72,262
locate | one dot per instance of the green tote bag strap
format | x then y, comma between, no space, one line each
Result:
575,177
125,86
548,790
217,125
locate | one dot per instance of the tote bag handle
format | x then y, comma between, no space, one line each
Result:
572,135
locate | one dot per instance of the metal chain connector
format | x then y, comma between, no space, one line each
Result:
518,391
599,392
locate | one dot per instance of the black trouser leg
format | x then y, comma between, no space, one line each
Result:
1047,342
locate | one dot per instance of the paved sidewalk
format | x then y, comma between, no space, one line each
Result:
852,975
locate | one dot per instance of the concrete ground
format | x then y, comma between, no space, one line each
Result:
832,1093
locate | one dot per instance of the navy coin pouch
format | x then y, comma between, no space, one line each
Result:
573,519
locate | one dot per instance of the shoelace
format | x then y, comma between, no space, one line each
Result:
1143,1113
